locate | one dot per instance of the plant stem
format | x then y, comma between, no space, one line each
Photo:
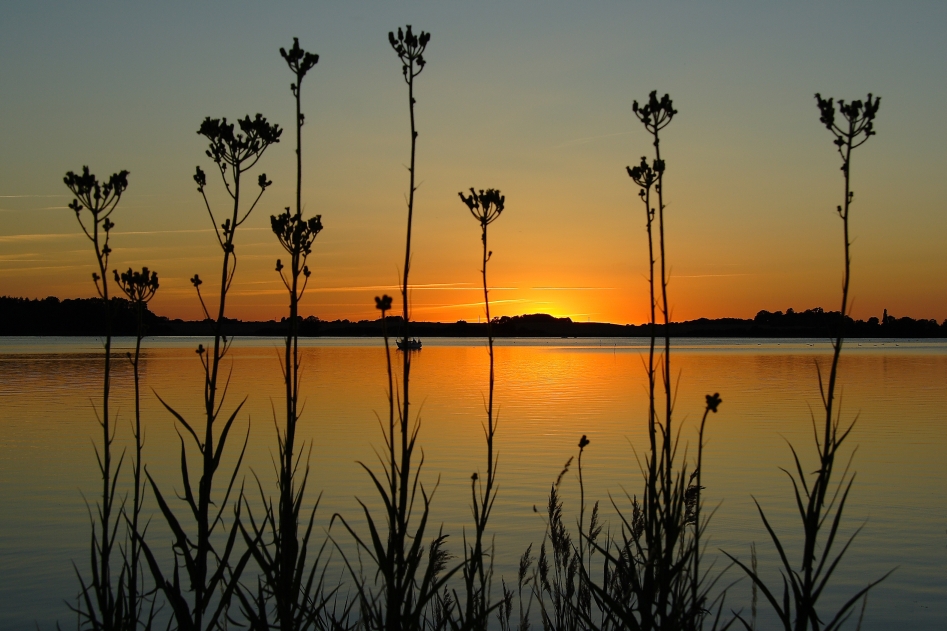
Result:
486,499
105,596
696,603
667,329
136,506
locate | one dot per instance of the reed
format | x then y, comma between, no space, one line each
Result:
557,571
562,583
798,608
139,288
201,601
102,599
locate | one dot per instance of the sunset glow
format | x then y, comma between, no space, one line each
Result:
535,101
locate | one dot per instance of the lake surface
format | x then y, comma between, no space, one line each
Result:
549,392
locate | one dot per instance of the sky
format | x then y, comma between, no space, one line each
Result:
530,97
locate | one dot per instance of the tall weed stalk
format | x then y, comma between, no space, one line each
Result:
290,595
820,508
647,569
409,587
202,599
102,603
139,288
485,206
651,576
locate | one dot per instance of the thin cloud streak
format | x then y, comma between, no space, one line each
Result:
423,286
427,287
23,210
469,304
38,237
20,270
709,275
68,235
572,288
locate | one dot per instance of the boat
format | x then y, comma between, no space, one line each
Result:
409,344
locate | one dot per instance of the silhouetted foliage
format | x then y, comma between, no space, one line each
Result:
290,594
657,557
645,574
485,206
404,587
818,506
140,288
102,601
202,600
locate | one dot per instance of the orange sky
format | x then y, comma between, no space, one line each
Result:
534,102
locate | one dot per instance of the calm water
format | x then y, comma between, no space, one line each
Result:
549,393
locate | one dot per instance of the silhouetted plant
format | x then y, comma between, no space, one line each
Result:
645,176
486,207
406,590
139,288
655,115
409,594
558,580
211,578
692,507
798,608
524,582
651,576
574,606
101,600
410,50
290,595
653,553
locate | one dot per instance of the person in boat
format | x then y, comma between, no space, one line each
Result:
409,344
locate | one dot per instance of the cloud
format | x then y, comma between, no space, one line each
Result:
708,275
467,304
572,288
20,270
422,287
71,235
21,210
13,238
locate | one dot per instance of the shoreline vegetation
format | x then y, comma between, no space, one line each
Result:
83,317
641,566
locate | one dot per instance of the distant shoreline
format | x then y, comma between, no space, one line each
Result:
82,317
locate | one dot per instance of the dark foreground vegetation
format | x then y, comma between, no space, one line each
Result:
83,316
236,555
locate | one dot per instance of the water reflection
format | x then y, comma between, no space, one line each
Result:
549,393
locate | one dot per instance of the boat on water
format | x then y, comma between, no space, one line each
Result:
409,344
